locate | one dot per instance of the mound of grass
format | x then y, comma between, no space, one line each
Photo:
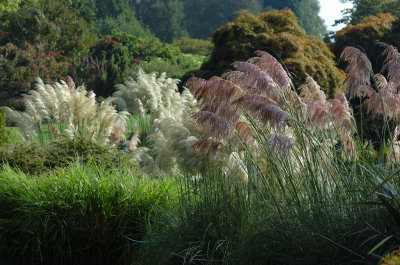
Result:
304,221
36,158
77,215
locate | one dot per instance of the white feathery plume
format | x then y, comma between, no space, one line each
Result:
134,141
174,128
311,92
58,103
236,168
394,149
39,104
149,94
30,108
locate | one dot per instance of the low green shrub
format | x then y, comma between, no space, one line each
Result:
3,132
36,158
184,63
83,214
194,46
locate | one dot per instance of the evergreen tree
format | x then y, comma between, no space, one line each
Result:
125,22
306,10
205,16
164,17
364,8
367,35
309,19
112,8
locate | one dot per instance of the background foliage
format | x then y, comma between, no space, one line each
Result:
34,42
116,56
364,8
366,36
306,10
279,34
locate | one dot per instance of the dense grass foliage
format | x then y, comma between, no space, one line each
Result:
81,214
291,218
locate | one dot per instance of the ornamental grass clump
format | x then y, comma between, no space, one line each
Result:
190,130
74,111
171,131
254,108
377,94
283,176
81,214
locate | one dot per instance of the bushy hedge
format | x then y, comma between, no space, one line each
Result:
278,33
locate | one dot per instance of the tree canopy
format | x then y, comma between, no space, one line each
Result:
364,8
202,17
306,10
278,33
164,17
9,5
171,20
40,41
366,36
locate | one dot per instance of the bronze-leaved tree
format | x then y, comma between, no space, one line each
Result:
278,33
366,35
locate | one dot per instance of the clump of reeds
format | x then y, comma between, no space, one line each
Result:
300,171
381,96
256,105
74,110
158,100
